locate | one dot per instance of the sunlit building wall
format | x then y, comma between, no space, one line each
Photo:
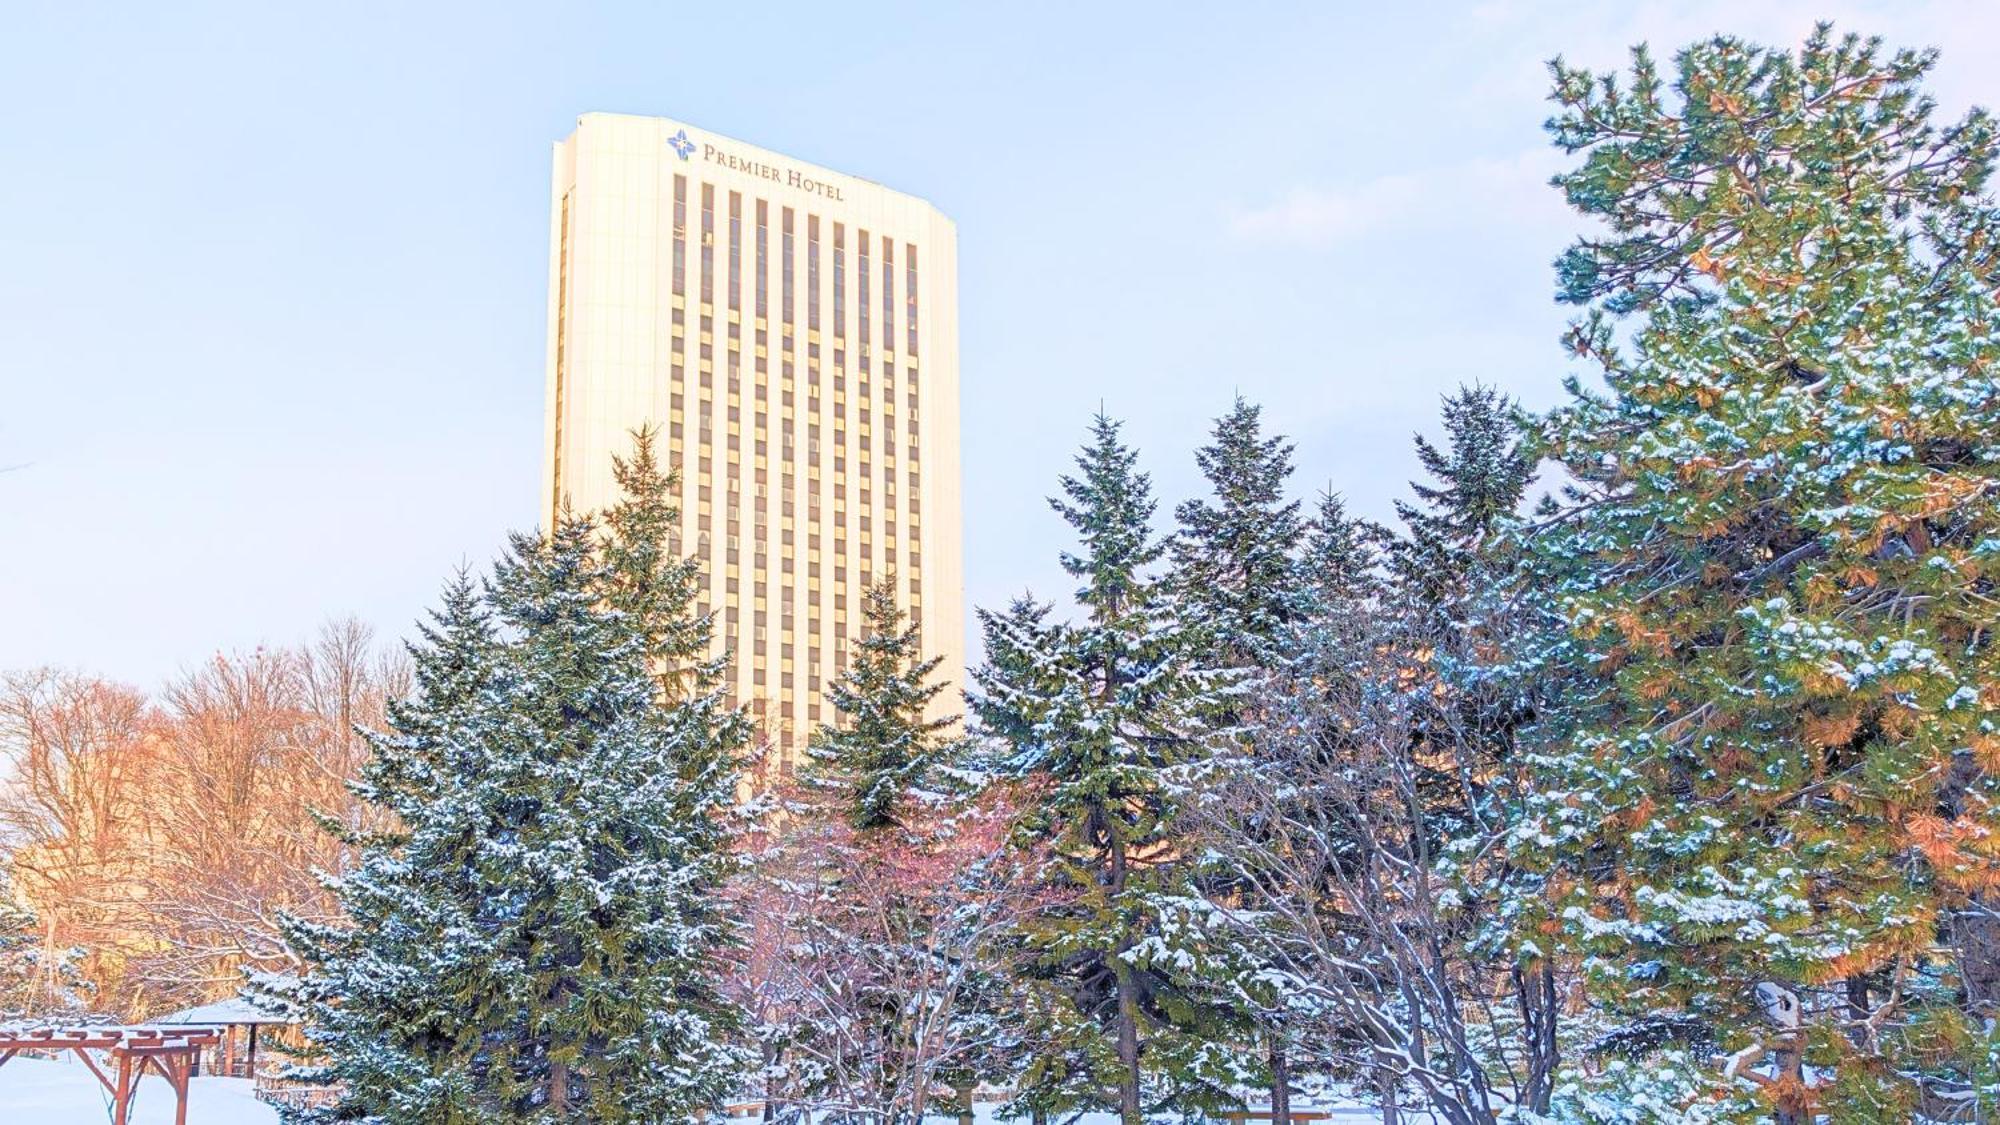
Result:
792,332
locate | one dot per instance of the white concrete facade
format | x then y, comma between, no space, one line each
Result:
792,332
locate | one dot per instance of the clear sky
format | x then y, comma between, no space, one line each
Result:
272,276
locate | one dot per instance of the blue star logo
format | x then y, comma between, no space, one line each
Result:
679,143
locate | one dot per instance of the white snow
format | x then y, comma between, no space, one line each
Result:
52,1092
62,1092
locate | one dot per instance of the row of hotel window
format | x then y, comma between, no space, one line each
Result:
865,267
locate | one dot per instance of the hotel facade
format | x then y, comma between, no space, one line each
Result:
792,333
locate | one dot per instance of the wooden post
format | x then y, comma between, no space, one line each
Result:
252,1076
181,1074
122,1097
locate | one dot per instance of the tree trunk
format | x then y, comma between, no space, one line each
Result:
558,1088
1535,994
1789,1103
1392,1113
1129,1112
1281,1082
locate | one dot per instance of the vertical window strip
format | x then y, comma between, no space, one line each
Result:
680,235
736,251
839,281
888,293
785,255
812,272
707,246
910,297
862,332
763,253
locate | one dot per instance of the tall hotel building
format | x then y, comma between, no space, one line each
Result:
793,334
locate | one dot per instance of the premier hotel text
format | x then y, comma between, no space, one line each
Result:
790,177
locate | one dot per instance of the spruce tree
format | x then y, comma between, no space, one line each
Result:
538,938
883,751
1235,597
1337,569
1443,617
1478,479
1232,557
1768,806
1104,711
899,910
649,581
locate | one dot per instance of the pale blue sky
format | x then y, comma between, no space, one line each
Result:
272,282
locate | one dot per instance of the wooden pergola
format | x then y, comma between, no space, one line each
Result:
238,1020
172,1052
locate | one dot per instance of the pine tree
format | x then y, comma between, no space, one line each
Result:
1768,806
539,937
1105,711
883,752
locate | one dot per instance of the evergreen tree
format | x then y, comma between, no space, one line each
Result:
1445,620
882,751
1480,477
538,940
1768,807
889,829
1232,560
1236,597
1105,711
649,581
35,981
1337,570
1018,673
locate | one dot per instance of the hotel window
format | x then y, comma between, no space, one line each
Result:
839,285
735,253
785,250
812,276
910,296
707,256
763,252
861,297
680,235
888,293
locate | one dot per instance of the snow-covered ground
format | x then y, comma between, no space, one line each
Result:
45,1092
48,1092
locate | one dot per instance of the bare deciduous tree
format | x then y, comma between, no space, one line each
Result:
1367,899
